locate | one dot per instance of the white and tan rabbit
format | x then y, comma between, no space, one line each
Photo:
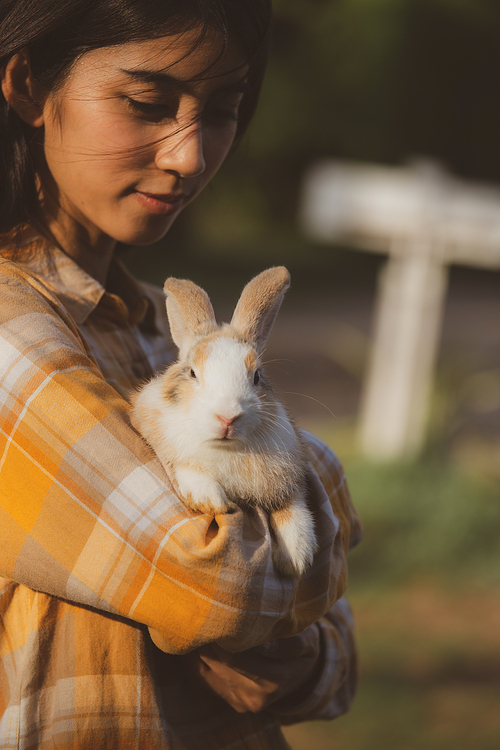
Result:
215,424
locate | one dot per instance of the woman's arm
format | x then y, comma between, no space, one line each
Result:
312,675
87,513
332,687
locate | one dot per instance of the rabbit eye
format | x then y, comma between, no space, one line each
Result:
256,377
192,374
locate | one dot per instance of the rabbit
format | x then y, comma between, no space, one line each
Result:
214,423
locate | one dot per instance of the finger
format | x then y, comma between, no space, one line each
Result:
240,692
221,687
243,662
229,671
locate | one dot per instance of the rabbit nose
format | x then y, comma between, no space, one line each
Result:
225,421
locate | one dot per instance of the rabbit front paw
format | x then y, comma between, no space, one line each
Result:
201,493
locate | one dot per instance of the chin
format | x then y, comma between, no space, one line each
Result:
143,236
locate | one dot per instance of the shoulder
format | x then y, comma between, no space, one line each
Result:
19,284
28,308
330,472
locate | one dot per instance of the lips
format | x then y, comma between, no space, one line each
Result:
159,204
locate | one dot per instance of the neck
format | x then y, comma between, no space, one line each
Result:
78,238
93,256
89,247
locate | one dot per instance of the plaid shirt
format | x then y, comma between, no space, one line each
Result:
99,558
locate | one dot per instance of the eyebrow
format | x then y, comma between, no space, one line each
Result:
165,79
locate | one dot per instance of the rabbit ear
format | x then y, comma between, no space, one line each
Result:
190,312
259,304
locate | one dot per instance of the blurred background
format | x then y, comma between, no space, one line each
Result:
406,92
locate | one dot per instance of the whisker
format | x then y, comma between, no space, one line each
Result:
280,359
305,395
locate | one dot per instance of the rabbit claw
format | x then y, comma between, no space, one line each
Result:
201,493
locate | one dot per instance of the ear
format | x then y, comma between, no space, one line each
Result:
259,304
19,89
190,312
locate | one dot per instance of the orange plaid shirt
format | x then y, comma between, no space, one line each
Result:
98,557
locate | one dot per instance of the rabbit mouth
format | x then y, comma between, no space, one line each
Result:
226,441
226,438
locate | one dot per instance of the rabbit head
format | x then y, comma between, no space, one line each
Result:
217,388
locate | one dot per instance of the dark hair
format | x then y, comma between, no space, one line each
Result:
58,32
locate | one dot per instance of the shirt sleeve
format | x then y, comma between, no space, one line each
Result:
334,685
87,513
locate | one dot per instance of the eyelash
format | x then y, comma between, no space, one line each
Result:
154,111
148,109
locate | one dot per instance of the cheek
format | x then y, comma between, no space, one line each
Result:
87,131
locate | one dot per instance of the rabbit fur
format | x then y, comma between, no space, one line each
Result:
215,424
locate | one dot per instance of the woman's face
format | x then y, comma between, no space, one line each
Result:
131,138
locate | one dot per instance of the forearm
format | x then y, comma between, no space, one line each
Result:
331,689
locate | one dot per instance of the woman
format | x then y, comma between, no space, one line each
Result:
115,115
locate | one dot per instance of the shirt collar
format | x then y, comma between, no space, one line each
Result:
123,299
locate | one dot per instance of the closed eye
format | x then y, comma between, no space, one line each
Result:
151,110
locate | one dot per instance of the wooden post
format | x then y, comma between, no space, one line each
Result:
424,220
407,324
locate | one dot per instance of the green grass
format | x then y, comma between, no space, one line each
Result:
425,518
424,589
394,714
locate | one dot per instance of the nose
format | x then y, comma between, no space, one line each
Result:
182,152
227,421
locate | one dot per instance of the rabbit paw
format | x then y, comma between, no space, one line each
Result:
295,541
201,493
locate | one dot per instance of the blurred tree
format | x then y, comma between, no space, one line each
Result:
446,102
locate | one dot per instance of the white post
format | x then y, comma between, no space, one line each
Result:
425,220
411,296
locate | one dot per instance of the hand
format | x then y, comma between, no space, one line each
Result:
254,679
